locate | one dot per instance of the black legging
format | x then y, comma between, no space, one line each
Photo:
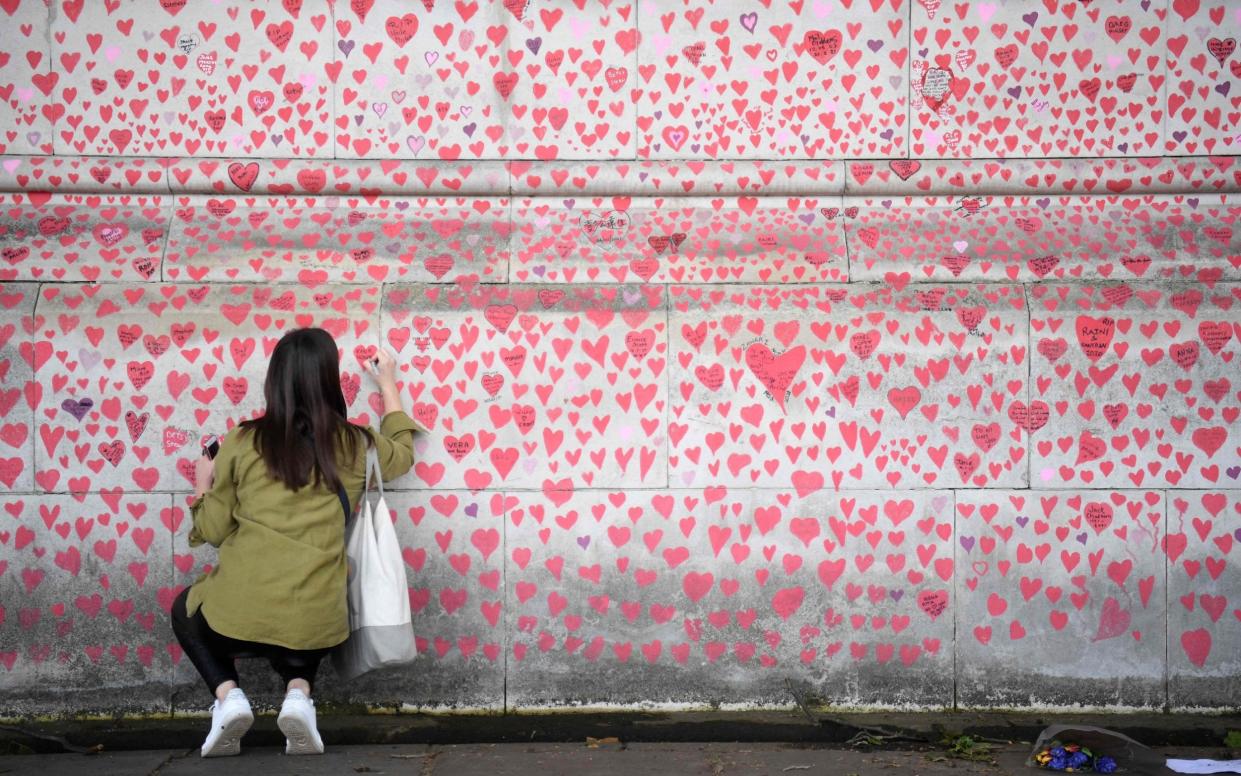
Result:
213,654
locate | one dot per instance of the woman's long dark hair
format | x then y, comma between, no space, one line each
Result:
297,434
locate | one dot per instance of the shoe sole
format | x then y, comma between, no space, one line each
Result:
301,739
229,742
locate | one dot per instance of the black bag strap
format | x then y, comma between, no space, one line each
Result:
372,461
344,501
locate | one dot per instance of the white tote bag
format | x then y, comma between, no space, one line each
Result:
381,630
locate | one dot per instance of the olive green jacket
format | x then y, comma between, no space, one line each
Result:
281,573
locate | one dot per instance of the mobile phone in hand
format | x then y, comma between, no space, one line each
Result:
211,445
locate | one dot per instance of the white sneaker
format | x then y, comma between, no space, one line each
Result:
297,722
229,722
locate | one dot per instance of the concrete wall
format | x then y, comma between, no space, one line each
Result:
876,353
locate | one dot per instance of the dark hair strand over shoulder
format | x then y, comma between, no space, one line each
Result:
296,436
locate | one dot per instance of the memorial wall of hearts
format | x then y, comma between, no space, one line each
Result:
850,353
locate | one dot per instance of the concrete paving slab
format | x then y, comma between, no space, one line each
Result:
1204,72
396,99
1204,598
325,241
268,759
1037,239
26,110
568,79
349,182
84,580
1080,573
502,81
608,593
728,600
218,103
1037,80
1054,177
1135,383
712,758
102,764
671,178
803,81
140,373
608,760
659,240
82,238
882,592
40,176
19,356
880,388
772,759
594,357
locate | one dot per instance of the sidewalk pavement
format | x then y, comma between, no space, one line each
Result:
633,743
550,759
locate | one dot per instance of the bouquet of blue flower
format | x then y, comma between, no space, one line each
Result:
1073,758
